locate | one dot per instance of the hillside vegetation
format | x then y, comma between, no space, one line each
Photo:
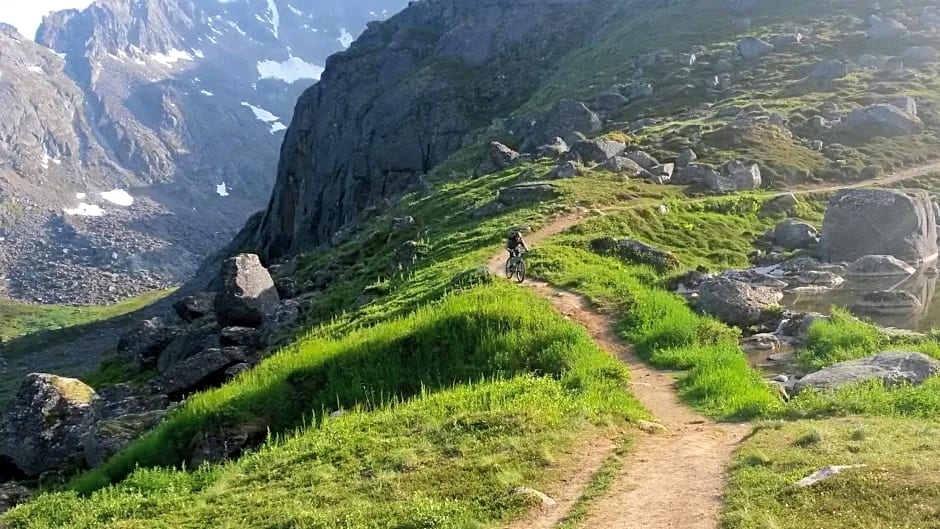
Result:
422,393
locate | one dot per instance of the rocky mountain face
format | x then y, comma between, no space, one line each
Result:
402,99
136,136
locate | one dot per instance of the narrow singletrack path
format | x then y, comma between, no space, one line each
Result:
673,479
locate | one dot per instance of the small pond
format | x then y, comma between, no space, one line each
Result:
921,285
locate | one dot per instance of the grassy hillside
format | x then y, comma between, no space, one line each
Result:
458,388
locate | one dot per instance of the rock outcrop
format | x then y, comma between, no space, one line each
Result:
248,294
43,429
332,168
881,120
861,222
893,368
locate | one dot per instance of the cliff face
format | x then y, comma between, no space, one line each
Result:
401,99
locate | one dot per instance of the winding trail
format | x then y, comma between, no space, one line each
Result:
673,479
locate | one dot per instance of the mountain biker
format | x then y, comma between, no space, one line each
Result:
515,243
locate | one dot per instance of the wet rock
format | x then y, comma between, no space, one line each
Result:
893,223
496,158
248,293
881,120
753,48
893,368
880,266
793,234
599,150
192,308
43,429
111,436
734,302
145,341
761,342
887,301
526,193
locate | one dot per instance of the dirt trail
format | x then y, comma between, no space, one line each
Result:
671,480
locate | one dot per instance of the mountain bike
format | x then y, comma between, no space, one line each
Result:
515,266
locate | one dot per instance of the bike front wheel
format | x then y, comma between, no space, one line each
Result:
510,269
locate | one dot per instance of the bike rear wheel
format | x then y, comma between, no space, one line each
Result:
520,271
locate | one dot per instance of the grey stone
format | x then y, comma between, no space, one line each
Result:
893,368
247,337
723,66
13,494
564,118
882,120
735,302
192,308
599,150
893,223
643,158
109,437
745,176
793,234
43,429
830,69
695,174
145,341
880,266
569,169
907,104
609,101
686,156
887,301
247,294
624,165
786,40
555,149
496,158
785,204
885,28
753,48
200,371
636,252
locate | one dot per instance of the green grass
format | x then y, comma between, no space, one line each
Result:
899,487
18,319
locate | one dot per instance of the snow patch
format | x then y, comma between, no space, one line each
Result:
206,93
267,117
81,196
277,126
345,38
119,197
36,69
221,190
289,71
85,210
171,57
275,18
295,10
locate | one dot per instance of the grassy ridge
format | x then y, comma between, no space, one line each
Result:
494,335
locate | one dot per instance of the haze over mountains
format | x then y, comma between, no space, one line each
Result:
137,136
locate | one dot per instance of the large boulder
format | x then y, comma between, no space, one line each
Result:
861,222
735,302
192,308
879,266
893,368
830,69
566,117
248,293
694,174
44,427
745,176
881,120
200,371
888,302
635,252
624,165
752,48
785,204
643,159
686,157
918,55
526,193
793,234
145,341
496,158
189,341
598,150
110,436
